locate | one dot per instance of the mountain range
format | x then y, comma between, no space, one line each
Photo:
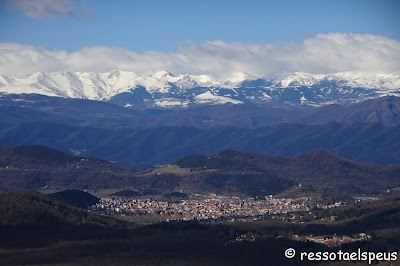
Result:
365,132
164,90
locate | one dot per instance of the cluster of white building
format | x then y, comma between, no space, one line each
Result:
203,209
333,241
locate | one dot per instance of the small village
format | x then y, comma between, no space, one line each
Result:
333,240
216,207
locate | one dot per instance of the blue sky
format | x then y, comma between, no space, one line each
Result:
162,25
218,38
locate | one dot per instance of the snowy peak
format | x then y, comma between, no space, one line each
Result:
166,90
185,81
350,79
210,98
237,78
300,79
84,85
369,80
163,75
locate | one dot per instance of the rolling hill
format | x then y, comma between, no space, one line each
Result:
75,198
229,172
318,168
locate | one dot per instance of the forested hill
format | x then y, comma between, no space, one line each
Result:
318,168
31,167
231,172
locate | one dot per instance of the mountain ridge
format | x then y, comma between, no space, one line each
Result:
226,173
165,90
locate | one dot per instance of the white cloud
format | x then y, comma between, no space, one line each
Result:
42,8
324,53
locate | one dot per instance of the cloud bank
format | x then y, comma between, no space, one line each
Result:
321,54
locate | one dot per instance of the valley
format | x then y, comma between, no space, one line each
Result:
199,133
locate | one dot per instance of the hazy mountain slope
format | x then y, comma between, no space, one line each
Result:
384,110
244,115
161,145
30,108
69,111
164,145
360,142
152,137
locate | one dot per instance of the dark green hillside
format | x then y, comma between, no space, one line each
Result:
33,155
372,214
192,161
75,198
44,154
32,220
223,160
28,209
32,167
228,172
317,194
126,193
175,195
318,168
20,171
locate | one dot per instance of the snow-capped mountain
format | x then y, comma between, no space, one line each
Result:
185,81
163,89
350,79
85,85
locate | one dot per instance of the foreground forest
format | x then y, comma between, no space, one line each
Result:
36,230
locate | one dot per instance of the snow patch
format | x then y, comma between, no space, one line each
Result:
208,97
171,102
